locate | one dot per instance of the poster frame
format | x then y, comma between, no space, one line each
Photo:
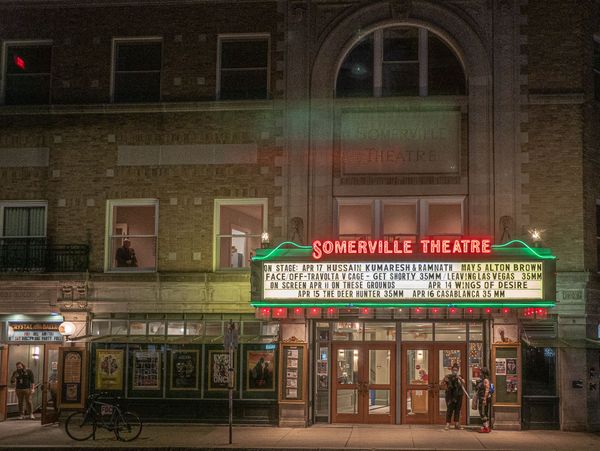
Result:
517,348
83,382
303,374
121,372
196,353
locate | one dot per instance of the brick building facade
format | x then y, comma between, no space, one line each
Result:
192,127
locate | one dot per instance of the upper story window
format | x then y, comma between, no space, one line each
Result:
239,224
23,220
400,219
137,69
596,67
243,67
400,61
27,73
23,236
132,235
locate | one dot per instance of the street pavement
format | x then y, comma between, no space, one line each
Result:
30,435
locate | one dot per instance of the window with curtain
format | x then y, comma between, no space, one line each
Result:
23,221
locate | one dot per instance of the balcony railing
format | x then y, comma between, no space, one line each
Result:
40,255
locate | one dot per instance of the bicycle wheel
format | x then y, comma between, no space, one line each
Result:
128,426
80,426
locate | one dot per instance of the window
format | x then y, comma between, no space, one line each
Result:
23,236
137,66
27,73
539,371
400,61
400,219
23,220
239,225
596,67
243,67
132,229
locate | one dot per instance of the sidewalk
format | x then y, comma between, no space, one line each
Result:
29,435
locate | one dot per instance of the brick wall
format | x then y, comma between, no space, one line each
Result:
81,58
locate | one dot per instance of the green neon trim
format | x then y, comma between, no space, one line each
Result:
299,246
525,245
396,305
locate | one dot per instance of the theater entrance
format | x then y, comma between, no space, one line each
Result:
424,366
363,383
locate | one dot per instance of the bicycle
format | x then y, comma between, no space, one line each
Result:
126,426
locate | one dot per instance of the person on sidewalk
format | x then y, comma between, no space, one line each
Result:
25,386
484,400
453,384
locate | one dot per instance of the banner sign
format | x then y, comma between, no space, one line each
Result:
30,332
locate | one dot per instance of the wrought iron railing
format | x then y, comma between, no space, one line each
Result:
40,255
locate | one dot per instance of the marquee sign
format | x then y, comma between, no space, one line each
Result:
380,273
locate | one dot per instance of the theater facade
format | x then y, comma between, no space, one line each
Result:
369,191
374,326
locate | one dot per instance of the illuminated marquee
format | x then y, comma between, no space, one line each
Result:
398,281
435,272
374,247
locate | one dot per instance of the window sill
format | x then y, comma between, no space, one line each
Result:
120,108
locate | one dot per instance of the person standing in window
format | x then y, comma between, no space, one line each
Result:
453,384
126,255
24,386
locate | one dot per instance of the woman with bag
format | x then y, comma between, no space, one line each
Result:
484,399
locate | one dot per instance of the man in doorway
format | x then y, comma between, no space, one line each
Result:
453,384
24,384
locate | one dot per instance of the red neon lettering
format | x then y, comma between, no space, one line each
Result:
341,247
362,247
352,247
424,246
445,247
475,247
486,246
328,247
317,253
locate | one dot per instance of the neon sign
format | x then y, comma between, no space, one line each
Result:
466,246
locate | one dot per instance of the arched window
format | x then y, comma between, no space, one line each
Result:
400,61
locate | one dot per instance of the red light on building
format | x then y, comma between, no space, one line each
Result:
19,62
470,310
263,313
314,312
364,311
435,310
418,310
488,310
506,310
279,312
453,310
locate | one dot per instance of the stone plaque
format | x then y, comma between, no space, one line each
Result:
400,142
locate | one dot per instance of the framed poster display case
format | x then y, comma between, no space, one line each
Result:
506,374
293,369
72,383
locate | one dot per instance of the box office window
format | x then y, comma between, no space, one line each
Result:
137,68
244,67
28,74
400,61
133,230
239,226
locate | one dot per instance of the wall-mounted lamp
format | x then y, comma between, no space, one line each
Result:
66,329
35,353
265,239
536,236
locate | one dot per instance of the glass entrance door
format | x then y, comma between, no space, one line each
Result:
50,412
424,366
363,385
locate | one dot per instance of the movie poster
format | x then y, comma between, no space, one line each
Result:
260,374
500,367
146,370
511,366
219,364
184,370
109,369
511,384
